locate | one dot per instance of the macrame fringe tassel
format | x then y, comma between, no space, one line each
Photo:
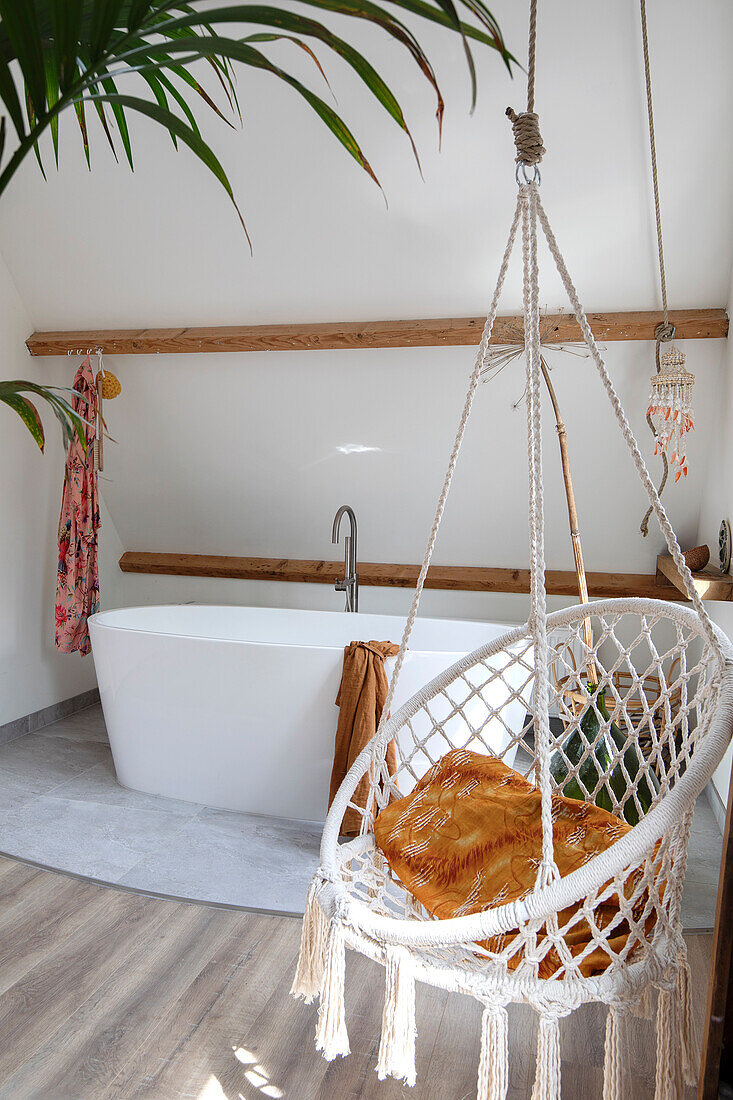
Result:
493,1070
669,1078
312,957
397,1045
614,1064
689,1042
547,1076
331,1035
644,1009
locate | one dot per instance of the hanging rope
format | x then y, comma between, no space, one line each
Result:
548,871
665,331
526,126
482,357
668,329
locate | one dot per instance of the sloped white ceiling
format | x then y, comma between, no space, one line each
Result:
252,454
163,246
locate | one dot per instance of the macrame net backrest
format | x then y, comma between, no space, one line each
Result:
484,704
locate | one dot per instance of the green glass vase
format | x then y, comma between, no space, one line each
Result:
598,763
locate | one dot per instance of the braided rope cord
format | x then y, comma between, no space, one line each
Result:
666,527
531,55
480,363
538,616
655,174
665,330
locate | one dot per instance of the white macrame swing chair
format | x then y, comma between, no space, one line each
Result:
354,901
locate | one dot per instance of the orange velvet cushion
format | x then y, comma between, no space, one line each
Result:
469,837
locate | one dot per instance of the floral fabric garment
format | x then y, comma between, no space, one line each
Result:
77,581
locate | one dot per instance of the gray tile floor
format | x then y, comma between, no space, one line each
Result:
61,805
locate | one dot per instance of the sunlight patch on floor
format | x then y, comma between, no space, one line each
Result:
255,1075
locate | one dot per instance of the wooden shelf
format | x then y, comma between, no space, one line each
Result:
710,583
691,324
462,578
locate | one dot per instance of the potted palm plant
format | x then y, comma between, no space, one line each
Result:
95,56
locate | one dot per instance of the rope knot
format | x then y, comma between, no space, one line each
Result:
527,137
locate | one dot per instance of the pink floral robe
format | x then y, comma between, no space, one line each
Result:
77,582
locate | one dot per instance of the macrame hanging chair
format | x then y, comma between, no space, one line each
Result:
355,901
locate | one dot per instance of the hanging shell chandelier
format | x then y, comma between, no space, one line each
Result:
670,409
669,415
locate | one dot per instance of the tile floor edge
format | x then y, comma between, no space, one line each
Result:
129,889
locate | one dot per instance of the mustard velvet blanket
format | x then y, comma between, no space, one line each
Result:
469,837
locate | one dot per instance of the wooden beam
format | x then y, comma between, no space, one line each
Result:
710,583
462,578
691,324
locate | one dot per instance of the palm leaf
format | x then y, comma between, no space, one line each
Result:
295,24
28,413
176,126
240,51
72,424
71,51
20,22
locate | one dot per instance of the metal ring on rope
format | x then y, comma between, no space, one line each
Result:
522,170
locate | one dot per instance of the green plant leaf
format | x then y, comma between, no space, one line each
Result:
293,23
69,51
105,17
105,126
118,111
9,96
270,36
20,22
247,55
52,95
175,125
365,9
28,413
65,19
137,12
81,119
154,82
72,424
32,126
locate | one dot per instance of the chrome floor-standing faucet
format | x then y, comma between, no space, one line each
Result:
350,583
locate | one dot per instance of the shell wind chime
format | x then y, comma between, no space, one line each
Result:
669,415
670,409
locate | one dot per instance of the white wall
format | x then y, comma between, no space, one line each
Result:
252,455
33,674
162,245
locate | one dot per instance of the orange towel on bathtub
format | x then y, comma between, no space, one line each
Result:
469,837
361,698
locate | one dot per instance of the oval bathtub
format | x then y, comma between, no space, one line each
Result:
234,706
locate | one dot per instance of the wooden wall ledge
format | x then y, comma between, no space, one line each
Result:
710,583
461,578
691,324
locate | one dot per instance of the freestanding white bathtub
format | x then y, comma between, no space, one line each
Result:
234,707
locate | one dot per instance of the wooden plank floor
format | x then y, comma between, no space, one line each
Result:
108,995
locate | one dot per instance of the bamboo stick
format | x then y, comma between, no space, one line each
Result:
562,437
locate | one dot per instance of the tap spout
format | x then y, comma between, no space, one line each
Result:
350,583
